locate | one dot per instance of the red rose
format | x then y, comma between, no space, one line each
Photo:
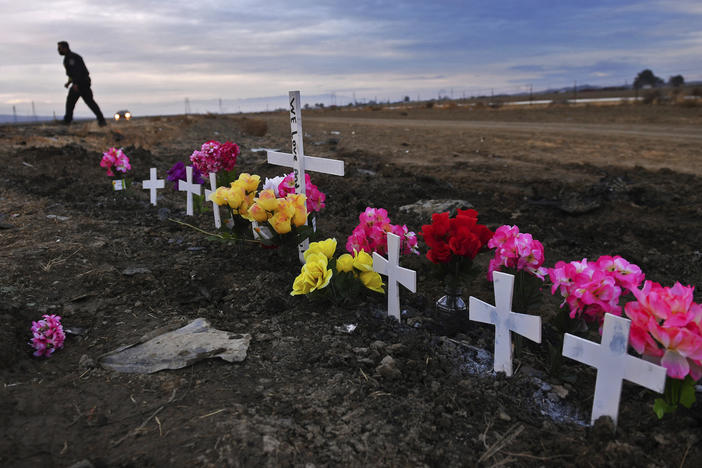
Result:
439,253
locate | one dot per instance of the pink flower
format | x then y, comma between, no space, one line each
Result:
371,234
516,250
315,198
47,335
666,323
214,156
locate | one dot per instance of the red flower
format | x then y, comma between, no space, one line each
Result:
461,236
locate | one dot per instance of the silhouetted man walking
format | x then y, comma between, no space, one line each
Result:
79,82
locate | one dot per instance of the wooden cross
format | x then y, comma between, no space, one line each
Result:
188,186
505,320
297,159
613,364
153,184
215,206
395,273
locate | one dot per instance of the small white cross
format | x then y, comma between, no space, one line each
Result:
505,320
613,364
395,273
215,207
188,186
153,184
297,159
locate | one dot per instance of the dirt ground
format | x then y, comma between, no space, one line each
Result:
586,181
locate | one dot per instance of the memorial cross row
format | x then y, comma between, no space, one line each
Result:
153,184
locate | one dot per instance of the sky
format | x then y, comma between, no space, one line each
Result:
148,56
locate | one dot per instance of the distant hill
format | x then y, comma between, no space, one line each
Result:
9,118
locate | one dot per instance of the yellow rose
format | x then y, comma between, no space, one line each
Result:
257,213
267,200
235,196
219,196
282,217
298,200
372,281
344,263
326,247
313,276
362,261
249,182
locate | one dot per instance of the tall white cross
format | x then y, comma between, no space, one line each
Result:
297,159
188,186
505,320
613,365
395,273
215,207
153,184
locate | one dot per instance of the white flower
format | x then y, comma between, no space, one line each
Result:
273,184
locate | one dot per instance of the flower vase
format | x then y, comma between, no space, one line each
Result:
452,312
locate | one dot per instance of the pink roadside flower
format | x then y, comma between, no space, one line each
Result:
592,289
371,234
315,197
666,324
516,250
214,156
47,335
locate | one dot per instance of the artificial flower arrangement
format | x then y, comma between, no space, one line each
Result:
453,245
370,234
339,278
285,215
115,159
666,327
522,256
47,335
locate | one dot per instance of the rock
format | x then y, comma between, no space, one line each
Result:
164,214
388,368
560,391
397,348
423,209
377,346
131,271
84,463
270,444
504,416
604,428
179,348
86,362
367,172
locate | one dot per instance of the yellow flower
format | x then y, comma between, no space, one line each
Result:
326,247
372,281
257,213
219,196
298,200
313,276
282,217
267,200
362,261
235,196
344,263
249,182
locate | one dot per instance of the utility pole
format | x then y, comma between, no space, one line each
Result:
531,95
34,113
14,113
575,90
220,105
187,106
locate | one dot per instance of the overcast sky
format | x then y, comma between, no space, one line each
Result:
148,55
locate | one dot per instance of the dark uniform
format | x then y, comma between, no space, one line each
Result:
78,73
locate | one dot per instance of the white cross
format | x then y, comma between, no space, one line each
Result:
153,184
613,364
188,186
215,207
297,159
505,320
395,273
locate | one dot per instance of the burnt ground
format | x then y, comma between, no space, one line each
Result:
308,394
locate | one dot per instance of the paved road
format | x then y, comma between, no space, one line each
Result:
679,134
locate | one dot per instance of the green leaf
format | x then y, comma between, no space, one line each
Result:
660,407
687,393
